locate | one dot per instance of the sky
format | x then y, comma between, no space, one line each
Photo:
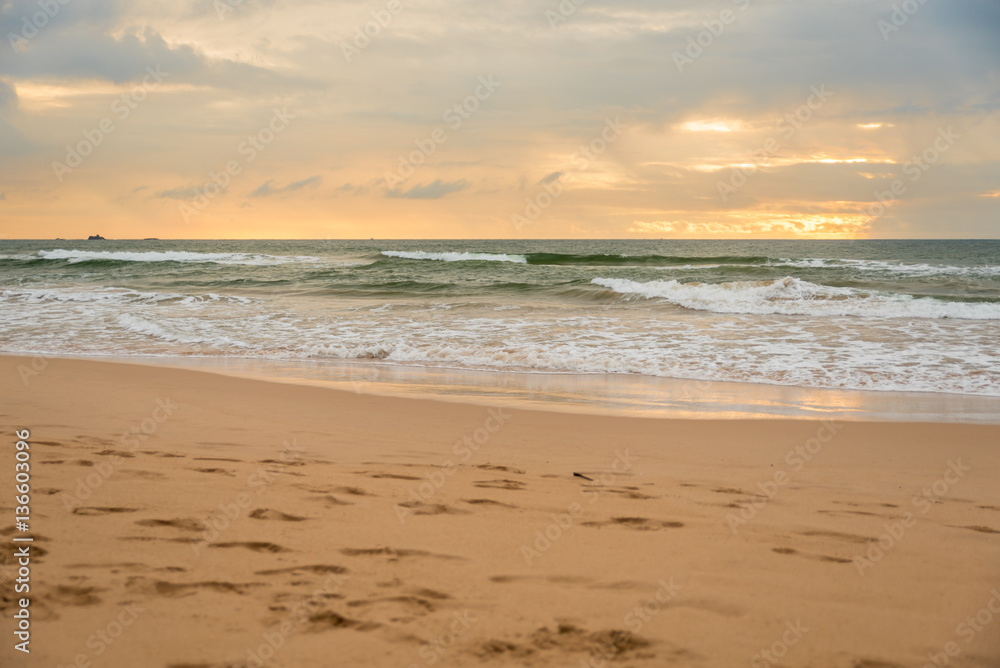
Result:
512,119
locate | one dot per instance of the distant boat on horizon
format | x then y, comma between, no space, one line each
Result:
96,237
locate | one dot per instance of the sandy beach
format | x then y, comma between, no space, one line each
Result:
190,520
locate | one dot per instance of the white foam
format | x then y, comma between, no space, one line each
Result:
110,296
793,296
457,257
138,325
881,266
74,256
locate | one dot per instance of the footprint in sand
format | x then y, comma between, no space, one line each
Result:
66,595
421,508
290,462
148,475
119,453
315,568
631,493
411,603
327,620
979,528
850,512
392,553
268,514
102,510
847,537
354,491
821,557
185,539
565,639
177,589
330,500
488,502
186,524
254,546
214,470
554,579
506,469
499,484
637,523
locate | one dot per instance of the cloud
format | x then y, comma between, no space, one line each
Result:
265,189
8,96
97,40
609,58
435,190
182,193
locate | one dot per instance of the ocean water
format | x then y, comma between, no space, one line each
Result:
915,316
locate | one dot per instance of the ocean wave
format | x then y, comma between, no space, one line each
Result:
643,260
256,259
600,259
904,269
110,295
137,325
456,257
793,296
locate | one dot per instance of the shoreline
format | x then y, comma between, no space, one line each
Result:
252,523
622,395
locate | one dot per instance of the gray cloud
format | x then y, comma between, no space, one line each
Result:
181,193
266,189
435,190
